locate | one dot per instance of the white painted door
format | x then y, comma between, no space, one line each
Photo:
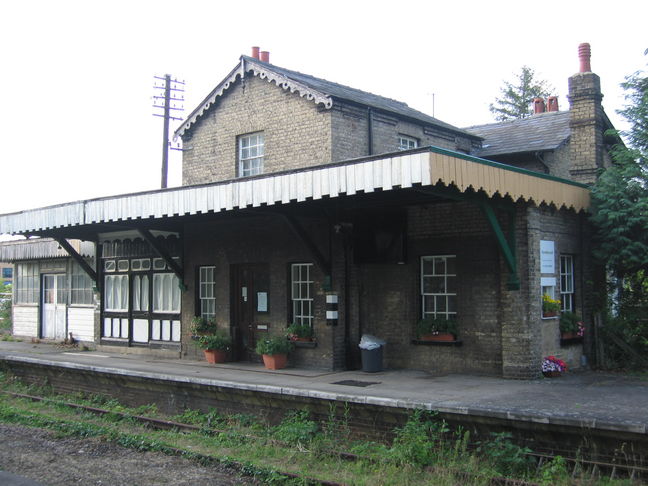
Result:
54,307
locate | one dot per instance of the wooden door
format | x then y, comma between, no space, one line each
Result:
250,307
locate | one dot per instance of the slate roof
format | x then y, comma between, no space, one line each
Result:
347,93
321,88
544,131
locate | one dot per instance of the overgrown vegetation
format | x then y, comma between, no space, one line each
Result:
5,307
620,218
424,450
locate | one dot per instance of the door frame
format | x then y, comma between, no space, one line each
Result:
43,312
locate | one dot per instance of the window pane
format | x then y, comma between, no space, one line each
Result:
428,266
136,293
145,293
434,285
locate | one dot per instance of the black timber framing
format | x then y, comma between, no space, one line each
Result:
77,258
161,251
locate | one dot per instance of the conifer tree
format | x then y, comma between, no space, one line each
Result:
518,95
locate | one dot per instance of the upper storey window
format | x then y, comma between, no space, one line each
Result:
406,143
250,154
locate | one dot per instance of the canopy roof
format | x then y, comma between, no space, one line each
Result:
428,166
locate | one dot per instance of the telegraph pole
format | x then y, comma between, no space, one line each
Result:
173,89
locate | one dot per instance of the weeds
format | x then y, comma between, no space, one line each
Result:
424,450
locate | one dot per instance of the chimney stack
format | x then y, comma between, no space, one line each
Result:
552,103
538,106
586,144
584,55
265,56
255,52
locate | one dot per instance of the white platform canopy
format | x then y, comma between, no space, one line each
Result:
429,166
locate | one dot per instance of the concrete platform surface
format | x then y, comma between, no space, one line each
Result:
588,399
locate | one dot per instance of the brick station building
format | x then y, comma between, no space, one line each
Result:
307,201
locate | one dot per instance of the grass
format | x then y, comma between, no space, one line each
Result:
423,452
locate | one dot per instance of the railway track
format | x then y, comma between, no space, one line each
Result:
581,467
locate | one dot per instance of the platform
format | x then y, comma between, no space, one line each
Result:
585,402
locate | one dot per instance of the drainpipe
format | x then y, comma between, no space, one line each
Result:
369,131
541,160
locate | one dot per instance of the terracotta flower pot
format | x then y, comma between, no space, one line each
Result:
275,361
301,339
551,374
442,336
215,355
568,335
549,313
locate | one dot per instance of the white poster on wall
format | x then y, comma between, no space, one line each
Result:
547,257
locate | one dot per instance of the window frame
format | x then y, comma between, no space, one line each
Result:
449,296
408,141
81,286
125,299
567,289
297,303
174,296
247,165
205,301
27,283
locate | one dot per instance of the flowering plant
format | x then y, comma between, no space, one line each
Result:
550,305
551,363
581,329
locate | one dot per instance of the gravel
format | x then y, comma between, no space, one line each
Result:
41,456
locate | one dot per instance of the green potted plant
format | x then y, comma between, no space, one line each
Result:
300,332
437,329
274,351
201,326
215,346
550,306
571,326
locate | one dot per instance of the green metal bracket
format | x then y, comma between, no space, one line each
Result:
506,244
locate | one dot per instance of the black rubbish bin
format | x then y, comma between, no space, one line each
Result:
372,360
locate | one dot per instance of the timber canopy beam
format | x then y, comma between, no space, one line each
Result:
77,258
161,251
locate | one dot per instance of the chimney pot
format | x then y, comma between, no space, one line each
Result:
584,55
552,103
538,105
265,56
255,52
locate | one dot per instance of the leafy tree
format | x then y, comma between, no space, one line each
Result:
620,219
517,96
620,195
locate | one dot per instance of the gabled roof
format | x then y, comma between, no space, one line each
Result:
320,91
540,132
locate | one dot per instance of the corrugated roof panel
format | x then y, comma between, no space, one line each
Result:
426,166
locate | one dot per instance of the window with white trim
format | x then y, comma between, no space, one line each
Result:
407,143
116,293
166,293
207,291
27,283
80,286
250,154
141,293
567,283
301,293
439,286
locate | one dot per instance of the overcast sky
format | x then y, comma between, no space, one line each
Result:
77,77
